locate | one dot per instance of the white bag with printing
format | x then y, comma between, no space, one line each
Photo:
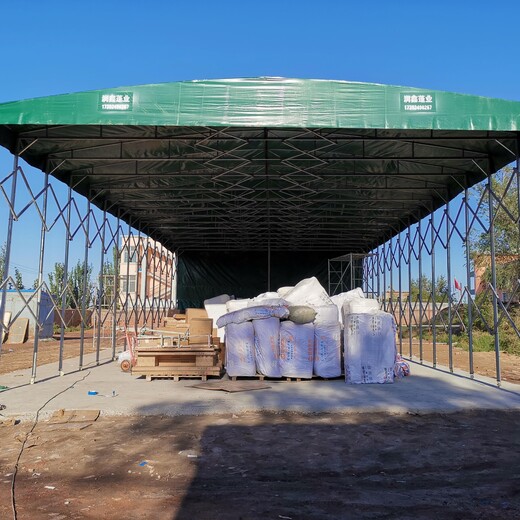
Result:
267,346
327,349
339,299
253,313
308,292
240,344
360,306
296,349
236,305
370,350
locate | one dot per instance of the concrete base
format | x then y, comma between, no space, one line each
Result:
426,390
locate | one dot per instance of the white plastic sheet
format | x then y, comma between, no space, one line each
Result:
360,306
236,305
282,291
215,311
267,346
271,302
240,356
339,299
296,349
308,292
222,298
253,313
370,350
327,349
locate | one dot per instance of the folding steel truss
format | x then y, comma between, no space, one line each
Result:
400,199
465,228
110,310
205,188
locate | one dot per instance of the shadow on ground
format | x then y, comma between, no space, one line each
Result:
263,465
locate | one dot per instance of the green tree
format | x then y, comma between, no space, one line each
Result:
76,292
18,279
442,291
504,185
109,278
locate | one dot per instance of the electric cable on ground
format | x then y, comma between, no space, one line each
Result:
15,471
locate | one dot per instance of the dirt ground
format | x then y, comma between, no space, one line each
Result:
19,356
483,362
267,466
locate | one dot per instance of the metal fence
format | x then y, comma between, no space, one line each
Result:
76,251
479,232
115,278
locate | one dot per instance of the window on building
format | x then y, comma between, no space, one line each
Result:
128,284
132,255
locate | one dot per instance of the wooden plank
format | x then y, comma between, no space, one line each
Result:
206,361
176,371
148,361
19,330
176,350
195,313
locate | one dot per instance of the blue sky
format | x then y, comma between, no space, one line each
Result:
56,47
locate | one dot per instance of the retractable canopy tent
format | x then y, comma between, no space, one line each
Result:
243,166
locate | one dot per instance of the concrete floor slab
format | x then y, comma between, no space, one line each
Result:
427,390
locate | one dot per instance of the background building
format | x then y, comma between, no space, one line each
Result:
146,273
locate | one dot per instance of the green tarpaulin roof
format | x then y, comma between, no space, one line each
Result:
232,164
271,102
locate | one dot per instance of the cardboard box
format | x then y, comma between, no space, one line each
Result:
195,313
200,330
172,322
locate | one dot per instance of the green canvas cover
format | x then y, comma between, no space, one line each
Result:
272,102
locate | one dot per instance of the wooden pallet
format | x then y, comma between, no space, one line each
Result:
261,377
258,377
171,362
178,377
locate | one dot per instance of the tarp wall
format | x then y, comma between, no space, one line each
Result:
203,275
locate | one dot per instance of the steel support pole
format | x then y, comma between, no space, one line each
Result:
391,274
383,269
378,274
101,285
433,319
160,315
129,240
494,279
410,311
138,282
400,284
85,283
419,260
146,309
448,275
115,295
352,274
65,282
518,184
154,276
8,242
468,283
43,233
